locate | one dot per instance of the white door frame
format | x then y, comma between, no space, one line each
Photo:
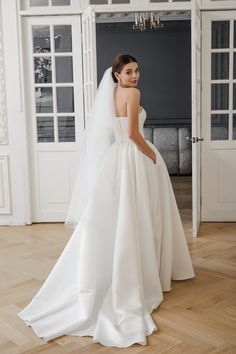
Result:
196,37
89,58
196,111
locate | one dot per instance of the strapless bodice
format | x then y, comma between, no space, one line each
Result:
120,126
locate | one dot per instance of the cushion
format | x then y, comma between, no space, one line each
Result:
167,142
148,133
185,151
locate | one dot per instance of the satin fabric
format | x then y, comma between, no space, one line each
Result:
122,255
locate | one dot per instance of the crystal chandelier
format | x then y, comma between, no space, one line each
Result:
146,19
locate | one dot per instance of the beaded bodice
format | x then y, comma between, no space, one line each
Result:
120,126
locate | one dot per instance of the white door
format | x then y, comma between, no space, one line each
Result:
89,58
196,116
54,94
219,116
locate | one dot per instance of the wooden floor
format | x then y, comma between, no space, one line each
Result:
196,317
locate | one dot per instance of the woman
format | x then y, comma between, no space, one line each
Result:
128,241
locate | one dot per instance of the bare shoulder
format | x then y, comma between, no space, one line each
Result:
133,92
133,95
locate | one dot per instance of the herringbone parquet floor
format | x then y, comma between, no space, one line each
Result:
196,317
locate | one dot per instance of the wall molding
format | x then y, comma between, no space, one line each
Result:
5,205
3,111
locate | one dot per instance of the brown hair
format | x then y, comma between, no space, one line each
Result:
118,63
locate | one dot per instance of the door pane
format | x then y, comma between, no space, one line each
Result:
64,69
65,99
38,2
66,129
98,2
234,96
45,129
234,34
60,2
120,1
234,126
220,34
42,70
43,98
234,68
219,126
219,96
62,38
219,66
41,39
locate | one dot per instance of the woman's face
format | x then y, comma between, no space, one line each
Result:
129,75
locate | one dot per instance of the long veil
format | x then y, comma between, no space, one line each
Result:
97,137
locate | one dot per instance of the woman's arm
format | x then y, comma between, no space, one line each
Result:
133,99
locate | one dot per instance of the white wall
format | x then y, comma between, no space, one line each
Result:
14,199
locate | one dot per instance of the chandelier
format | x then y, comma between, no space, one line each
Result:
146,19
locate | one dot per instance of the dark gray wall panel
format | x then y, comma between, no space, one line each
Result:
165,62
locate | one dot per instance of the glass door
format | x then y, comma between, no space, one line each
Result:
54,95
219,116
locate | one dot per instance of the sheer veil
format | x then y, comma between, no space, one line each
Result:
97,137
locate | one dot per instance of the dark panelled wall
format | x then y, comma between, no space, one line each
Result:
165,64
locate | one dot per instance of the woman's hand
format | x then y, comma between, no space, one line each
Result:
153,157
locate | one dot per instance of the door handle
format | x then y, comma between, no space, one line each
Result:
194,139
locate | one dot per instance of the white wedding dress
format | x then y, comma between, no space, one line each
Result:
122,255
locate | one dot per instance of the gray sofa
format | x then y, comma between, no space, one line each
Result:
173,147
